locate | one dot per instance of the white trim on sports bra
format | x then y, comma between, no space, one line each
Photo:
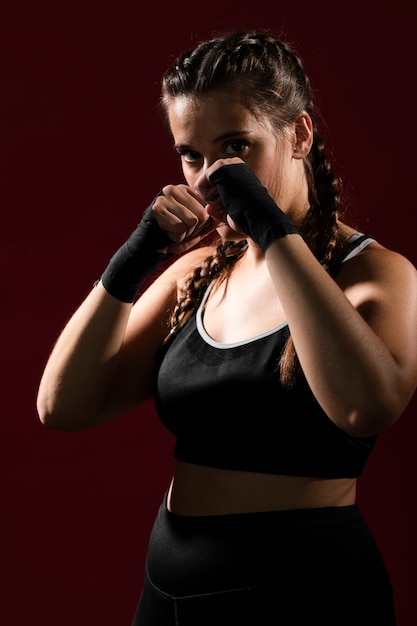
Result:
361,246
216,344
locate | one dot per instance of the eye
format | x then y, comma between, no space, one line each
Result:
190,156
236,148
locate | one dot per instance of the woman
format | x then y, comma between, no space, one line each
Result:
277,346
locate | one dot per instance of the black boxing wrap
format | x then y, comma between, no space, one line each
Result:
136,258
250,206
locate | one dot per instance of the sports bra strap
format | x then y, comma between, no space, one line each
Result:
356,244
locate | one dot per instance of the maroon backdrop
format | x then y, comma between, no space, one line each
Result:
83,152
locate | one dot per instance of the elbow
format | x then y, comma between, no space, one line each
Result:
47,408
369,411
374,417
71,415
45,412
54,420
362,424
54,417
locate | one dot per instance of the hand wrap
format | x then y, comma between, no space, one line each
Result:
136,258
250,206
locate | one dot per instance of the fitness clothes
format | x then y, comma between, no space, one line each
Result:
227,408
295,568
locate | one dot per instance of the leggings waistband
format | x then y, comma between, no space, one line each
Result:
282,518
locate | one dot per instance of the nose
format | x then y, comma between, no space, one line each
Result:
209,160
200,179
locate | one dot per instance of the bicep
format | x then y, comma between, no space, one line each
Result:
386,298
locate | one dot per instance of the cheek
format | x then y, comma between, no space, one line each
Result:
275,178
268,167
189,174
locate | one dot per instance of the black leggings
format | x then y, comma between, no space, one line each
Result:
281,568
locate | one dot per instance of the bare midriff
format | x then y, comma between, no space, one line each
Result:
200,490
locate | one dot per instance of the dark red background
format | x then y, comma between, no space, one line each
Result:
82,153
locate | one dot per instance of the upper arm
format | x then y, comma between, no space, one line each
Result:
382,285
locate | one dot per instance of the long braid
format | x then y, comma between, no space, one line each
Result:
320,230
325,197
215,267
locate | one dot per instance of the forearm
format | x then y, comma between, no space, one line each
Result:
73,387
75,390
360,370
349,368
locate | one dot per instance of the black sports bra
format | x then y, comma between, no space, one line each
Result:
227,408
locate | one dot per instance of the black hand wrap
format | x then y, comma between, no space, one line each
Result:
250,206
136,259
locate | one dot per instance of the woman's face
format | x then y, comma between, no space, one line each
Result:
217,126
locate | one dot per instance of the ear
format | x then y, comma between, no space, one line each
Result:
303,136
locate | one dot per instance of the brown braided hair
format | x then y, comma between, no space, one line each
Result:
272,82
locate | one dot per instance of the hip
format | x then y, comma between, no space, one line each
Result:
317,564
193,554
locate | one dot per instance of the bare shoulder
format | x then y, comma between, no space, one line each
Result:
378,263
382,285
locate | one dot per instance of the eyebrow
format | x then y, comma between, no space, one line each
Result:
229,134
